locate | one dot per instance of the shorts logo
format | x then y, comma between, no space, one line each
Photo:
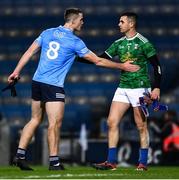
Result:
60,95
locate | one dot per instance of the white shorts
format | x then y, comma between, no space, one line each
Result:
130,96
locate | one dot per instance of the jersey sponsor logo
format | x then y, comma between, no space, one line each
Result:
129,44
59,34
121,47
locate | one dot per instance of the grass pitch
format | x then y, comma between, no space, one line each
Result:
85,172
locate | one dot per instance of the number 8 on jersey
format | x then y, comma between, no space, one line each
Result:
52,52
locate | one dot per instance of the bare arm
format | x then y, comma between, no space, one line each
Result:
127,66
23,61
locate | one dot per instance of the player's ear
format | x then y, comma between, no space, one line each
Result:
74,19
131,23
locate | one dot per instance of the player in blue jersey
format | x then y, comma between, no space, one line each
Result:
59,47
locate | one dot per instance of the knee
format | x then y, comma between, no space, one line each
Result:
59,123
35,121
141,127
52,127
55,124
112,124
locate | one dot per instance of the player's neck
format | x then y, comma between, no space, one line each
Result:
68,26
131,34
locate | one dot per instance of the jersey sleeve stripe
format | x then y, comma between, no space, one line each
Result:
142,38
108,54
122,38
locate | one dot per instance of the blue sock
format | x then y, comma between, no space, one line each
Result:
54,160
21,153
143,156
112,155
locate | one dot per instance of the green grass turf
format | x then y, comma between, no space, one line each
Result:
79,172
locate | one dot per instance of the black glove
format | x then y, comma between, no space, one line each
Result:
11,86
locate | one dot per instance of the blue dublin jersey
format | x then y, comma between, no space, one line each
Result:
59,47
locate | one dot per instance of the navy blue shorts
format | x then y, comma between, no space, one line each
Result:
47,93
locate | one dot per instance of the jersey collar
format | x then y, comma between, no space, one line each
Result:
132,37
66,29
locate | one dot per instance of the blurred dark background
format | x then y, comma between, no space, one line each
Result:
89,89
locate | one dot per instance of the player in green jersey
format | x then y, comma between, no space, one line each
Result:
133,46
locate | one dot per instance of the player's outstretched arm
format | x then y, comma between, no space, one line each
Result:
23,61
82,60
127,66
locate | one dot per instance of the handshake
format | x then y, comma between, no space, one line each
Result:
146,101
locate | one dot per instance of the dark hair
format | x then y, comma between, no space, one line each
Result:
131,15
70,12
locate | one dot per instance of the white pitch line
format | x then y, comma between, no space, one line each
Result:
77,175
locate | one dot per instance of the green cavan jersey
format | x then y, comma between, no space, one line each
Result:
138,49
